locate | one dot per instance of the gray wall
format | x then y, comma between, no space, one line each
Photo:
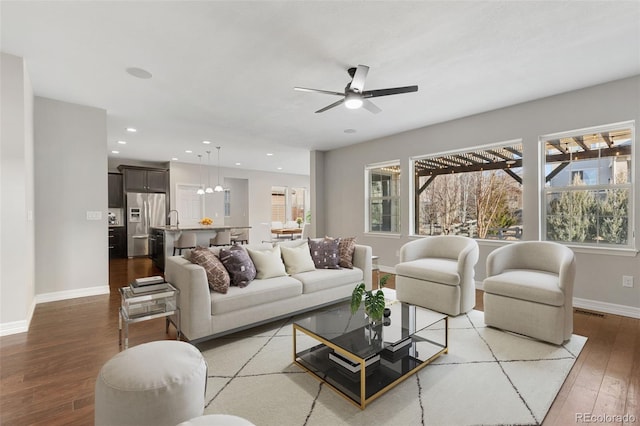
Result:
70,180
259,192
239,195
17,258
599,273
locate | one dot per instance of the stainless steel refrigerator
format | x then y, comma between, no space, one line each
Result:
143,212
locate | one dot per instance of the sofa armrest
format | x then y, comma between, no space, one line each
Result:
362,259
194,299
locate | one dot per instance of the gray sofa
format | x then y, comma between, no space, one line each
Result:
205,314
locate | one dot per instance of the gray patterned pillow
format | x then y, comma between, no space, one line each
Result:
239,265
346,248
325,253
217,275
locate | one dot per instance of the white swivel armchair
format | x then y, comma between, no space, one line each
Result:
529,290
437,273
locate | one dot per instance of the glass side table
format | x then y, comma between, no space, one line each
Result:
137,307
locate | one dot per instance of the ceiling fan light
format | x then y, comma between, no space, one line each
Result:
218,188
353,101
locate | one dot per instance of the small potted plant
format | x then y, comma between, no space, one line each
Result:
374,303
299,221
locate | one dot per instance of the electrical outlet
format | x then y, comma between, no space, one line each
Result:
94,215
627,281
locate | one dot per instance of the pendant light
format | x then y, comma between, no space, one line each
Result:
200,191
218,187
209,190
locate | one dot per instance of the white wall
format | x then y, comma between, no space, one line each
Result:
17,255
70,179
239,195
259,192
599,274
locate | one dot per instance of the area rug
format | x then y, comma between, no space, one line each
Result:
489,377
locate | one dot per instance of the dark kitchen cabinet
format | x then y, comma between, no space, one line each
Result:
117,242
116,193
156,248
137,179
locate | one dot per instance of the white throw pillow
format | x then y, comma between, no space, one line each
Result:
298,259
268,263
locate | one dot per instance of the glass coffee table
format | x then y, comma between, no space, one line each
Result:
362,361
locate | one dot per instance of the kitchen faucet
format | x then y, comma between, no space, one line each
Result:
177,218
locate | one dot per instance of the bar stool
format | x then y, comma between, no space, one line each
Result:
240,236
222,238
186,240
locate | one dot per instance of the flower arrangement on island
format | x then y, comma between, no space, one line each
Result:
206,221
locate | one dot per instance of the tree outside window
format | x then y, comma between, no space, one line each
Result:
587,186
474,193
383,184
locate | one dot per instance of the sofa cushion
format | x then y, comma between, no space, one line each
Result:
297,259
259,292
322,279
442,271
325,253
217,274
268,262
525,284
239,265
346,248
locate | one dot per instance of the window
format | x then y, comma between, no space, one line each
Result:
474,193
297,203
383,193
287,204
587,196
227,203
278,204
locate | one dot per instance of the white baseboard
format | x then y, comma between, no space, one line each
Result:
15,327
72,294
609,308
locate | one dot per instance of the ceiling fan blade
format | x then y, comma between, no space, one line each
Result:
370,106
335,104
357,83
387,92
326,92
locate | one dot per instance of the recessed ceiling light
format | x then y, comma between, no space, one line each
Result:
269,154
279,168
174,158
238,164
122,142
115,152
139,73
131,130
349,130
188,151
206,142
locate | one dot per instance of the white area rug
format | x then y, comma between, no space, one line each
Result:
489,377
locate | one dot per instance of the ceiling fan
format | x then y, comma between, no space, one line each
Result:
354,96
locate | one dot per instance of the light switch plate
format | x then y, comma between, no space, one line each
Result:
94,215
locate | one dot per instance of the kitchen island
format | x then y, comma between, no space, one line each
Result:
163,238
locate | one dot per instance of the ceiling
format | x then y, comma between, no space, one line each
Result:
225,71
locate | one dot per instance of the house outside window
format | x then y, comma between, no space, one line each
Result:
475,193
383,198
587,186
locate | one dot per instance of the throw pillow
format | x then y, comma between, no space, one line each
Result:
325,253
346,248
239,265
268,263
217,275
298,259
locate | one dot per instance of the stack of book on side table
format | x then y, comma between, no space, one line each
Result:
148,284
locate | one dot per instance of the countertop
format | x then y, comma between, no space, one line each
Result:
198,228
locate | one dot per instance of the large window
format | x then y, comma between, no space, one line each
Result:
476,193
383,195
588,188
288,204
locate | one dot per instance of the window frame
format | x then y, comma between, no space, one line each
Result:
395,200
483,147
630,185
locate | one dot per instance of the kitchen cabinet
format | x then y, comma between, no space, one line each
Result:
156,248
117,242
116,193
137,179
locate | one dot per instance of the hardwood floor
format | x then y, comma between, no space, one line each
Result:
47,375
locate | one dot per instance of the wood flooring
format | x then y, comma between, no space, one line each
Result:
47,375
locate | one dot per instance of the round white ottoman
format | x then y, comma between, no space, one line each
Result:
156,383
217,420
